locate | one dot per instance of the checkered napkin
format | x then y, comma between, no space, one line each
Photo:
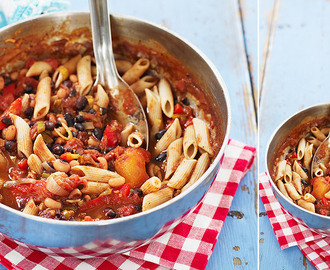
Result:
291,232
187,243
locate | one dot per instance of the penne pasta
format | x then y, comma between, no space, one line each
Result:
63,72
101,97
43,75
156,198
153,184
307,205
202,164
145,82
301,148
174,132
154,170
308,156
296,168
125,133
318,134
41,150
166,97
31,208
174,153
42,98
189,142
84,74
294,195
280,170
309,198
136,71
296,181
24,141
155,115
202,133
312,140
182,173
94,188
123,65
38,67
287,174
96,174
135,139
35,164
282,189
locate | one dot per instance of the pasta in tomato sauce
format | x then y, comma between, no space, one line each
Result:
63,155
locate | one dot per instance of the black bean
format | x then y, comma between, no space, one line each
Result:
290,150
185,101
10,145
160,134
97,133
28,89
74,134
58,123
304,182
81,103
79,119
72,93
67,83
79,126
92,111
50,125
305,169
138,208
103,110
7,121
138,192
58,149
69,119
109,212
109,149
161,157
31,123
94,148
7,80
29,112
49,145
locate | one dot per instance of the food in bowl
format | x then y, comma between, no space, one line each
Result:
65,156
292,167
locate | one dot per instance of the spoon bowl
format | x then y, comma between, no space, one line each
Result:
321,156
123,100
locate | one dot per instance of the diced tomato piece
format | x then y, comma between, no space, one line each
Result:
29,63
8,96
178,108
37,191
111,136
324,201
53,62
294,155
22,165
14,108
124,190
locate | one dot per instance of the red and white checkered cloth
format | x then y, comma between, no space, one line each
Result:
187,243
290,232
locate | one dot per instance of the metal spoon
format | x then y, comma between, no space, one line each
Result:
322,155
123,99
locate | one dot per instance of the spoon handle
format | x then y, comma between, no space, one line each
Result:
102,40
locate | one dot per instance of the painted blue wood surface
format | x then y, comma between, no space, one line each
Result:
296,76
215,28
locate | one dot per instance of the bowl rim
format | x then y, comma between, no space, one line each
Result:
180,196
266,163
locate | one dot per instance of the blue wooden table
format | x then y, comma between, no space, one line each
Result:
220,29
294,74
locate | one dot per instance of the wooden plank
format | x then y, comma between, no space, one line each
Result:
296,76
249,19
220,38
